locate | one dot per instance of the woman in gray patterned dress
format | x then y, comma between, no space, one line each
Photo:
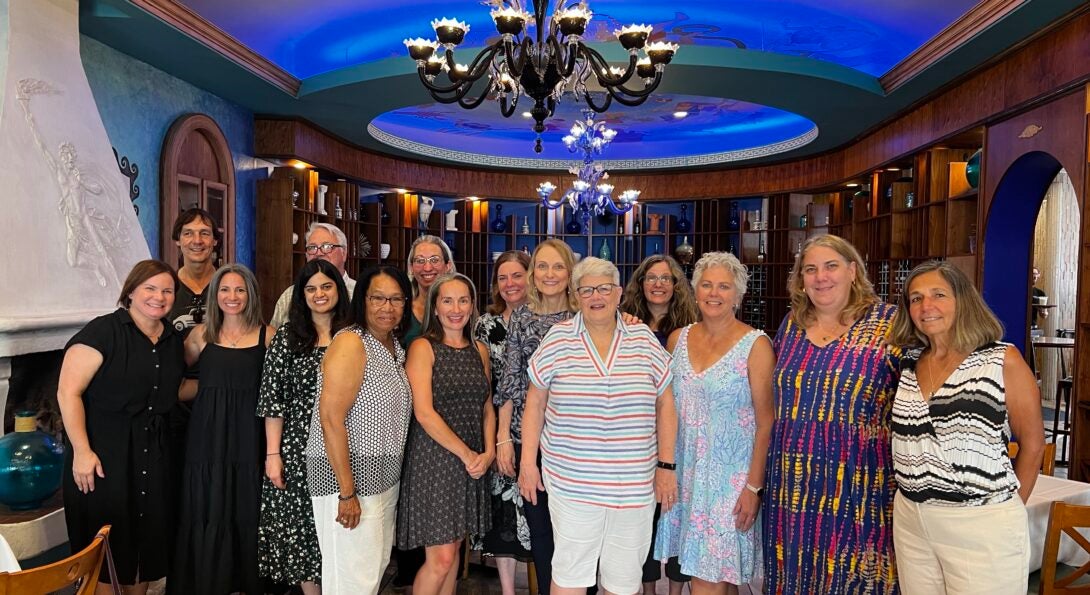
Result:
452,440
287,543
509,538
551,300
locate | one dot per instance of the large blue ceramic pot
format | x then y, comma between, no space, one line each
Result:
30,464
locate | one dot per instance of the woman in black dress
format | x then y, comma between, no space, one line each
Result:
119,380
221,483
452,440
287,541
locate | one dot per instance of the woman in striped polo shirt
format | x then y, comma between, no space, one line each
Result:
959,519
609,418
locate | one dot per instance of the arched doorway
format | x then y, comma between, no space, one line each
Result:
1008,240
196,169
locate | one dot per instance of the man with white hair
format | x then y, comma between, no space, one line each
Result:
327,242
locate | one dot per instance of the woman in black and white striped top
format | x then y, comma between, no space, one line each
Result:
959,520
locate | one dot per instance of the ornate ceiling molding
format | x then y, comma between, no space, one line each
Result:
193,25
980,17
705,160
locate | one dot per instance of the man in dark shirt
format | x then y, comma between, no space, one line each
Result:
195,233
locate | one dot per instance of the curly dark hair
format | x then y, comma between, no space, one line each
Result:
682,311
302,334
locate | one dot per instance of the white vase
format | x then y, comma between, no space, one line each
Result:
322,189
383,251
426,205
452,223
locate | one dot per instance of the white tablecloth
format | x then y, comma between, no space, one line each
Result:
1046,491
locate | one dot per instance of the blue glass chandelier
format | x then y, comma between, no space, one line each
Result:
589,192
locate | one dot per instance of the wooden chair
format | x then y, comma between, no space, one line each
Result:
82,567
1064,518
1048,461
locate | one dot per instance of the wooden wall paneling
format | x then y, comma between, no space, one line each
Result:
273,260
1080,422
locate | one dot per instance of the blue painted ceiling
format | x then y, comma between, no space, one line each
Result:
762,80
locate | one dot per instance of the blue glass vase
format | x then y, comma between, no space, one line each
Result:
30,464
498,224
972,169
683,225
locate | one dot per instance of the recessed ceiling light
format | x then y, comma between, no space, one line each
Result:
401,191
893,169
473,198
680,114
300,165
527,115
852,185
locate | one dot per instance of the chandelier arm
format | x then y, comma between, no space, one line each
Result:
540,6
630,94
516,66
571,54
455,86
601,68
473,103
611,204
506,110
598,108
479,66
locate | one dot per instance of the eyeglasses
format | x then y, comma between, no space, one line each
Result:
432,260
378,301
664,279
325,248
604,289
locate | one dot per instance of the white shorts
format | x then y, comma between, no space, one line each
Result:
593,538
353,560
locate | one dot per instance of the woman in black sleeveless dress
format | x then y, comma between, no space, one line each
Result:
224,462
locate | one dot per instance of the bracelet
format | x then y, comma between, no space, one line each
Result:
502,442
346,498
269,454
667,466
754,489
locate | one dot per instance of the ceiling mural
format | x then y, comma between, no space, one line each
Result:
331,34
710,129
760,80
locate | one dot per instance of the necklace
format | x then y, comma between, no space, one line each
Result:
827,334
944,371
233,342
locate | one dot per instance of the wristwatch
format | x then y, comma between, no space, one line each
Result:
667,466
756,490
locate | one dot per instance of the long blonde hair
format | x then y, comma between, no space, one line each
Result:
860,298
569,261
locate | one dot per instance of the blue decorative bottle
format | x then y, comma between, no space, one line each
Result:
498,224
683,225
30,464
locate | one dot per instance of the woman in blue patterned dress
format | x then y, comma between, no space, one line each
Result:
828,511
722,387
287,542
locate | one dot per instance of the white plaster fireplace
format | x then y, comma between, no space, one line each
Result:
70,234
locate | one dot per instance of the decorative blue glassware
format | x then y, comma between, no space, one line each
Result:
972,169
498,224
683,225
30,464
573,227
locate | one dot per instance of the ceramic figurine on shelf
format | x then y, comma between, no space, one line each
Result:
452,220
525,225
683,225
498,224
654,222
322,189
426,205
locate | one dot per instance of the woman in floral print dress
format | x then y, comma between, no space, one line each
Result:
287,542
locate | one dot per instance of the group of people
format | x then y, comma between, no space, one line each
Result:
595,429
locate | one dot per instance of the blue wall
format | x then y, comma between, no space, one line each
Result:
138,103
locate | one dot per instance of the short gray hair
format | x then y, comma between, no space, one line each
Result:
333,229
727,261
595,267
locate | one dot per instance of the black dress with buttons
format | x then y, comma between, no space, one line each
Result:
126,404
221,484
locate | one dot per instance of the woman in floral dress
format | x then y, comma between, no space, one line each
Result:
509,539
287,542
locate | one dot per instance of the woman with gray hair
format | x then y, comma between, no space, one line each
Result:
600,408
722,386
429,257
224,461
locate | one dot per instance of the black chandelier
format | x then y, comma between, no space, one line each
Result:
542,67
